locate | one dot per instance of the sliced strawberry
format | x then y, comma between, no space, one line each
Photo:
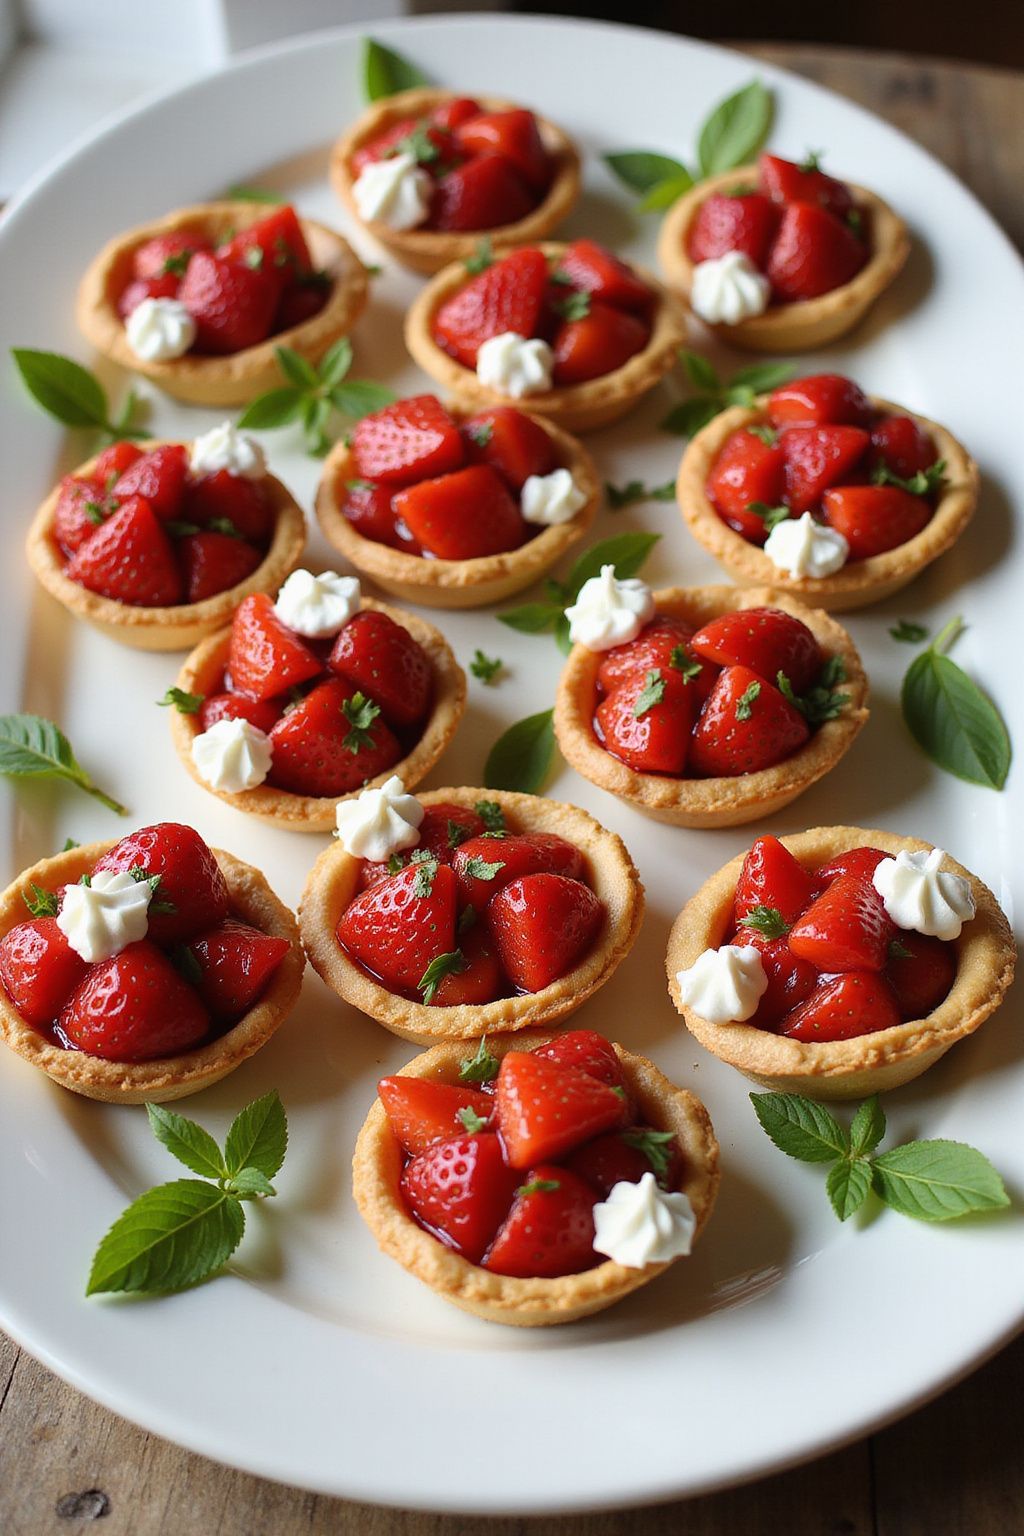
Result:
550,1229
368,508
137,291
235,706
444,828
790,979
214,562
278,240
785,182
478,978
861,862
400,925
167,255
462,516
902,446
772,877
545,1108
515,445
506,296
747,471
746,725
485,865
158,476
407,441
874,518
662,645
39,969
623,1157
375,654
265,658
331,742
543,926
920,971
817,457
484,193
513,134
646,722
767,640
235,963
603,340
460,1191
384,144
422,1112
113,461
588,1052
134,1007
812,253
846,928
232,304
857,1003
299,302
452,114
223,498
130,559
190,878
590,268
819,400
82,507
725,222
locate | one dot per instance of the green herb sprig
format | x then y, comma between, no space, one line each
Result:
487,668
634,491
312,394
385,71
951,719
715,394
626,552
33,747
75,397
522,756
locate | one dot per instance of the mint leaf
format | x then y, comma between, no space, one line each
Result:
360,712
451,964
426,869
760,378
642,170
480,869
619,496
32,747
277,408
655,1146
335,363
685,665
385,71
909,632
357,398
625,551
521,758
171,1237
186,1141
951,719
481,259
766,920
539,1187
481,1068
898,951
652,692
184,703
62,387
575,306
819,703
800,1127
938,1180
924,483
242,194
770,516
297,369
688,417
848,1185
764,434
745,702
471,1121
868,1127
735,130
41,903
664,193
491,814
532,618
249,1184
486,668
456,834
258,1137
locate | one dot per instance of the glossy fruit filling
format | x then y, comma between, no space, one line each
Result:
506,1166
198,969
743,692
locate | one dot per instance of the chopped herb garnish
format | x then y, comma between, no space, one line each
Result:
745,702
491,814
768,921
652,692
184,703
481,1068
486,668
360,712
441,966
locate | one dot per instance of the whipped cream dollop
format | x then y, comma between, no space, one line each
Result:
100,918
379,822
158,329
224,447
608,611
803,547
642,1224
920,895
232,755
551,499
318,606
515,365
394,190
724,985
728,289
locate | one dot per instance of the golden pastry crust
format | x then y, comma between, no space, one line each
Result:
169,1077
428,250
184,625
241,376
458,583
316,813
332,883
725,802
376,1172
861,581
847,1069
807,323
579,407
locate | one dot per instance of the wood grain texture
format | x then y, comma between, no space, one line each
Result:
950,1469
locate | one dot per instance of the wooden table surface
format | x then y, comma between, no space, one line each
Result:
951,1469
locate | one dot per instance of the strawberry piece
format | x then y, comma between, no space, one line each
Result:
232,304
772,877
857,1003
874,518
462,516
82,507
785,182
226,498
622,1157
299,302
130,559
398,926
214,562
443,829
407,441
646,722
39,969
545,1108
134,1007
902,446
603,340
817,457
512,443
321,746
159,477
135,292
746,470
452,114
460,1191
113,461
235,706
764,639
481,978
920,970
279,240
384,143
846,928
746,725
819,400
482,194
265,658
861,862
790,979
375,654
590,268
422,1112
550,1229
485,865
513,134
190,878
663,644
588,1052
368,508
745,222
543,926
235,964
812,253
506,296
167,255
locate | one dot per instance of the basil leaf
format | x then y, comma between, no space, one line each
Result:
688,417
32,747
336,362
625,551
186,1141
952,721
297,369
848,1185
735,130
359,398
253,195
521,758
258,1137
532,618
868,1127
172,1236
276,408
250,1183
63,388
664,193
385,71
938,1180
643,169
761,377
800,1127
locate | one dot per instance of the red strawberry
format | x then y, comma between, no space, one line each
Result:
663,644
134,1007
265,658
462,516
857,1003
299,302
190,878
375,654
130,559
452,114
902,446
39,969
232,304
746,725
507,296
407,441
368,508
545,1109
167,255
746,470
232,499
279,240
422,1112
113,461
588,1052
764,639
772,877
646,722
785,182
623,1157
817,457
397,927
460,1191
739,222
920,971
819,400
514,444
480,980
812,253
482,194
159,477
235,964
135,292
550,1229
82,507
859,861
874,518
388,141
485,865
443,829
331,742
590,268
543,926
603,340
235,706
213,562
513,134
790,979
846,928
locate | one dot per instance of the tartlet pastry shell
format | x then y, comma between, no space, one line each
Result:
428,250
377,1167
858,583
240,376
725,802
808,323
164,629
316,813
847,1069
170,1077
333,881
579,407
458,583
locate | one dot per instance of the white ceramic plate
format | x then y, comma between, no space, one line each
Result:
317,1361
